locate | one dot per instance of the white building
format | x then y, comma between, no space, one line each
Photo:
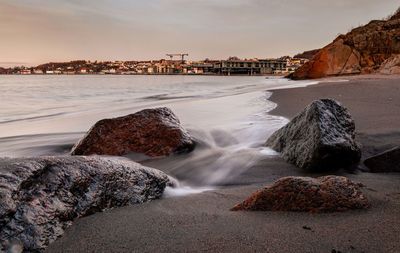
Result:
25,72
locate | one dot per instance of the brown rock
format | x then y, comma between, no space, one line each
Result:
362,50
307,54
388,161
391,66
154,132
304,194
334,59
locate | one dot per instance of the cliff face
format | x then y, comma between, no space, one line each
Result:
372,48
307,54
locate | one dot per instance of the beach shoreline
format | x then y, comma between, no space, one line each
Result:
203,222
372,100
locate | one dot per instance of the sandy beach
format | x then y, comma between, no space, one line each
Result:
202,222
373,101
200,126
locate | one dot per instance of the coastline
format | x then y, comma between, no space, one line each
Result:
146,74
203,222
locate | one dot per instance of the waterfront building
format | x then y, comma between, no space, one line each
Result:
236,66
37,71
199,68
25,72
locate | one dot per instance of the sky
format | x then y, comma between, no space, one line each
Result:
38,31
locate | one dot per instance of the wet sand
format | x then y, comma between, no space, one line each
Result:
373,101
203,222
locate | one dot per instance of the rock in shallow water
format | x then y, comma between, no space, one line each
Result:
304,194
388,161
321,137
40,197
153,132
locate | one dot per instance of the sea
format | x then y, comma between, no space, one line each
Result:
228,116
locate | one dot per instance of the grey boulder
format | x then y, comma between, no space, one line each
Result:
40,197
321,137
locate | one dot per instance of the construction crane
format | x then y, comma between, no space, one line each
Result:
182,56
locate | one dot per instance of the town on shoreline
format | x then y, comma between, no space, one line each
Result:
231,66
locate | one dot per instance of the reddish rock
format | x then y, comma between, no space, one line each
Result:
334,59
304,194
153,132
363,50
391,66
388,161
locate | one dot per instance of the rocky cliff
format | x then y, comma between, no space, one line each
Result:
307,54
373,48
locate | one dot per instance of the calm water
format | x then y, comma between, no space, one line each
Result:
45,115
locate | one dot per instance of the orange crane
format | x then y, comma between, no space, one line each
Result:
182,56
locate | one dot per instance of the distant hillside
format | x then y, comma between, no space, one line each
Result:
55,65
373,48
307,54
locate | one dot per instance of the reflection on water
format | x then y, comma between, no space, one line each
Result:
228,117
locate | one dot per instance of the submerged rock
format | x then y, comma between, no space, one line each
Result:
304,194
40,197
388,161
153,132
321,137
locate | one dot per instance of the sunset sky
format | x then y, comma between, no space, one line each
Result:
36,31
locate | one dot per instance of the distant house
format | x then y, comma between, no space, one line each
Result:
109,71
198,70
37,71
25,72
234,66
49,72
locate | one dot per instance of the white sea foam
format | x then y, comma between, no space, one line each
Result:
228,117
180,191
